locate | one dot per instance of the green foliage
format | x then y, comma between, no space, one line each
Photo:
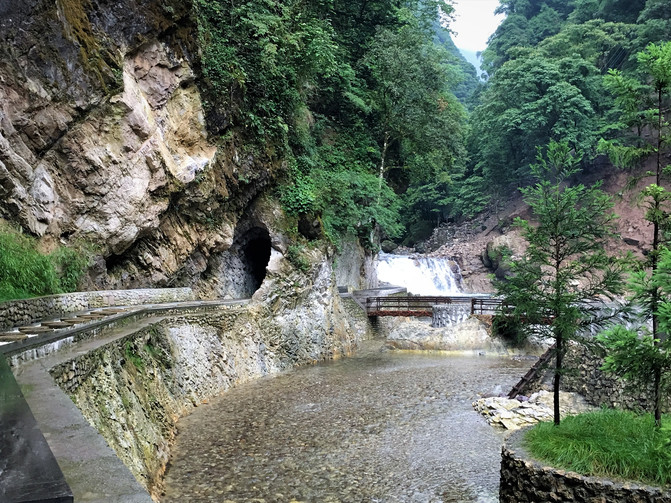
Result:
344,91
526,24
606,443
545,64
565,268
355,203
298,194
70,265
133,356
26,272
509,327
532,101
466,81
297,258
259,58
641,353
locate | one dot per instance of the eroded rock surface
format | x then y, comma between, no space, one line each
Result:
514,414
103,139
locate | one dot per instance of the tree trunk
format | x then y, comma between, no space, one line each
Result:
558,368
656,336
382,161
654,301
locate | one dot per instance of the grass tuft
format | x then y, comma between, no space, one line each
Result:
606,443
26,272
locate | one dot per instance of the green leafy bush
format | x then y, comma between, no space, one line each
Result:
297,258
298,195
509,328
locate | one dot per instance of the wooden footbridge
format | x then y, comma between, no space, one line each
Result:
411,305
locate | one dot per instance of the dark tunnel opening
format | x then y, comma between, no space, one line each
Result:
255,253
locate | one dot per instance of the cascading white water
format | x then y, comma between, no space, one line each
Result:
420,275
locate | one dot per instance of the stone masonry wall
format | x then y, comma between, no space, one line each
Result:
600,388
449,314
26,311
524,480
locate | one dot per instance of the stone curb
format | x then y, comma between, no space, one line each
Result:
526,480
92,470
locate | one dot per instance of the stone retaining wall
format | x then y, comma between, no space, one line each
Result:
134,389
29,471
18,312
524,480
600,388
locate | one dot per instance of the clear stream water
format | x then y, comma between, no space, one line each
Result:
382,426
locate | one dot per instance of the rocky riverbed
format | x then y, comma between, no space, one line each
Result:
390,426
513,414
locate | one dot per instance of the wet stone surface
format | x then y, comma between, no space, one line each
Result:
383,426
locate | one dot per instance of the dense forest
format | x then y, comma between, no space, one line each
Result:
387,128
358,97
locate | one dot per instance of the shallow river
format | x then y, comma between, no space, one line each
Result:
383,426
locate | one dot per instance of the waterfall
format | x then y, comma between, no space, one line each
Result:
420,275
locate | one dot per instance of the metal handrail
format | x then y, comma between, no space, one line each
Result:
423,304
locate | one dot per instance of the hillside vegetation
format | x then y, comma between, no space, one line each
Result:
547,62
369,100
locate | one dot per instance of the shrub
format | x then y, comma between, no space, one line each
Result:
297,259
509,328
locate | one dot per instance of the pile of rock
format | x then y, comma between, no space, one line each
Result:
514,414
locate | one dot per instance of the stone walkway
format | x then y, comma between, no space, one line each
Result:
91,468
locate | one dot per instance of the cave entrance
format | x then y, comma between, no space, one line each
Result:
239,271
254,252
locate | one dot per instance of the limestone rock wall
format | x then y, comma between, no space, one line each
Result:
103,139
355,267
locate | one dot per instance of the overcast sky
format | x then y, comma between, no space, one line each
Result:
474,21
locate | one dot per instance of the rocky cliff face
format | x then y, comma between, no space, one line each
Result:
103,138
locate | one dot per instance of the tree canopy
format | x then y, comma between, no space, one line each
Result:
374,93
553,288
545,64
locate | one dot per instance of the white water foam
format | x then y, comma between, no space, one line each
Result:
420,275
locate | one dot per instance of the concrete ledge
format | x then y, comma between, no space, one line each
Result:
25,311
27,463
44,344
525,480
28,469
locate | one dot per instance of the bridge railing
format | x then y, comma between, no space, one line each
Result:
485,305
423,305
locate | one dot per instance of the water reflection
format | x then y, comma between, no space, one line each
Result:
383,426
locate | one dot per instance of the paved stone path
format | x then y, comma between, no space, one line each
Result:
91,468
